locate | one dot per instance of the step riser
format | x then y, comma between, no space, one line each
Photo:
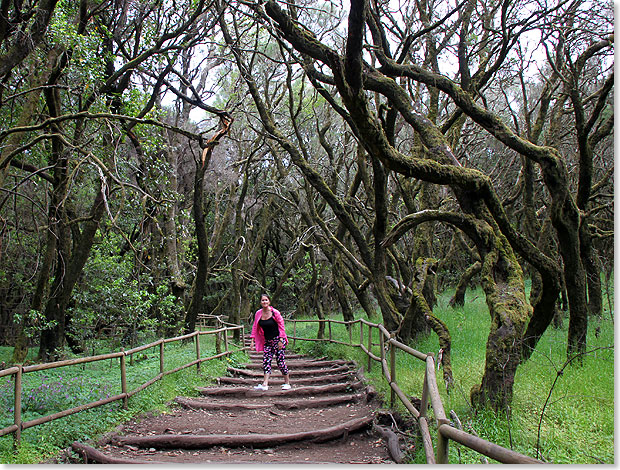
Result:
297,364
279,380
245,440
309,404
296,391
292,373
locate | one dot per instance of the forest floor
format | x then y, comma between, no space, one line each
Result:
329,416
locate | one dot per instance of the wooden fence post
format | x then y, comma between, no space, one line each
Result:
198,351
381,348
350,328
442,448
17,410
161,357
226,339
218,343
392,374
329,324
424,399
124,381
361,332
369,346
294,333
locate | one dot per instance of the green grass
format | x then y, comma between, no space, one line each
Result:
578,422
53,390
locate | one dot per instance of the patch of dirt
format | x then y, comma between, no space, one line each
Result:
261,421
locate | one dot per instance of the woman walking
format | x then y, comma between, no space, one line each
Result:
268,336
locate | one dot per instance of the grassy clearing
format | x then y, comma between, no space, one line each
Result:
578,422
53,390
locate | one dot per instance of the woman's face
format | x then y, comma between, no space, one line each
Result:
264,301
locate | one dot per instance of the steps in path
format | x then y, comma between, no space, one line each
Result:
326,417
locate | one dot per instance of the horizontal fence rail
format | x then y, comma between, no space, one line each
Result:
222,332
430,392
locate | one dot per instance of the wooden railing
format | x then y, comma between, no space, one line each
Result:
430,393
18,371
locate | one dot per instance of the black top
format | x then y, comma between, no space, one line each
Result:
270,327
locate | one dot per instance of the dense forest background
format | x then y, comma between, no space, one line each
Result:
163,159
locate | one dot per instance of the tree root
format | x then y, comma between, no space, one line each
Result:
204,405
92,455
244,440
297,391
392,443
301,364
293,373
327,378
296,405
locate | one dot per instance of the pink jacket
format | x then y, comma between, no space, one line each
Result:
259,335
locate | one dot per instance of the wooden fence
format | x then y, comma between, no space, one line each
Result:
18,371
387,347
430,393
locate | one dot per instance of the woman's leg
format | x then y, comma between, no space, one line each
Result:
268,352
282,364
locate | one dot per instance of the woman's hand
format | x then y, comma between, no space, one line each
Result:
280,344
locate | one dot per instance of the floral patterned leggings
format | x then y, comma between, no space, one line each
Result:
271,349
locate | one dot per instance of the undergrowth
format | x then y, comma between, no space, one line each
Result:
577,426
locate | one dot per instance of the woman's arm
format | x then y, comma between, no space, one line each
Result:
280,321
254,326
255,339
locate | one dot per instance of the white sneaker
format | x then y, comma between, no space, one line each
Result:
261,387
286,386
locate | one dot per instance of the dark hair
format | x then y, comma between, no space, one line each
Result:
265,295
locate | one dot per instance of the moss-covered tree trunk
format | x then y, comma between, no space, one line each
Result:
502,281
576,290
419,303
593,272
341,292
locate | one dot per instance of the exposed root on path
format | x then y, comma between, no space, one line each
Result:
295,391
244,440
92,455
392,442
291,405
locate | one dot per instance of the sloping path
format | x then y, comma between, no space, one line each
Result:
327,417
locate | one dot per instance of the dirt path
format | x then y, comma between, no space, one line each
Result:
327,417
